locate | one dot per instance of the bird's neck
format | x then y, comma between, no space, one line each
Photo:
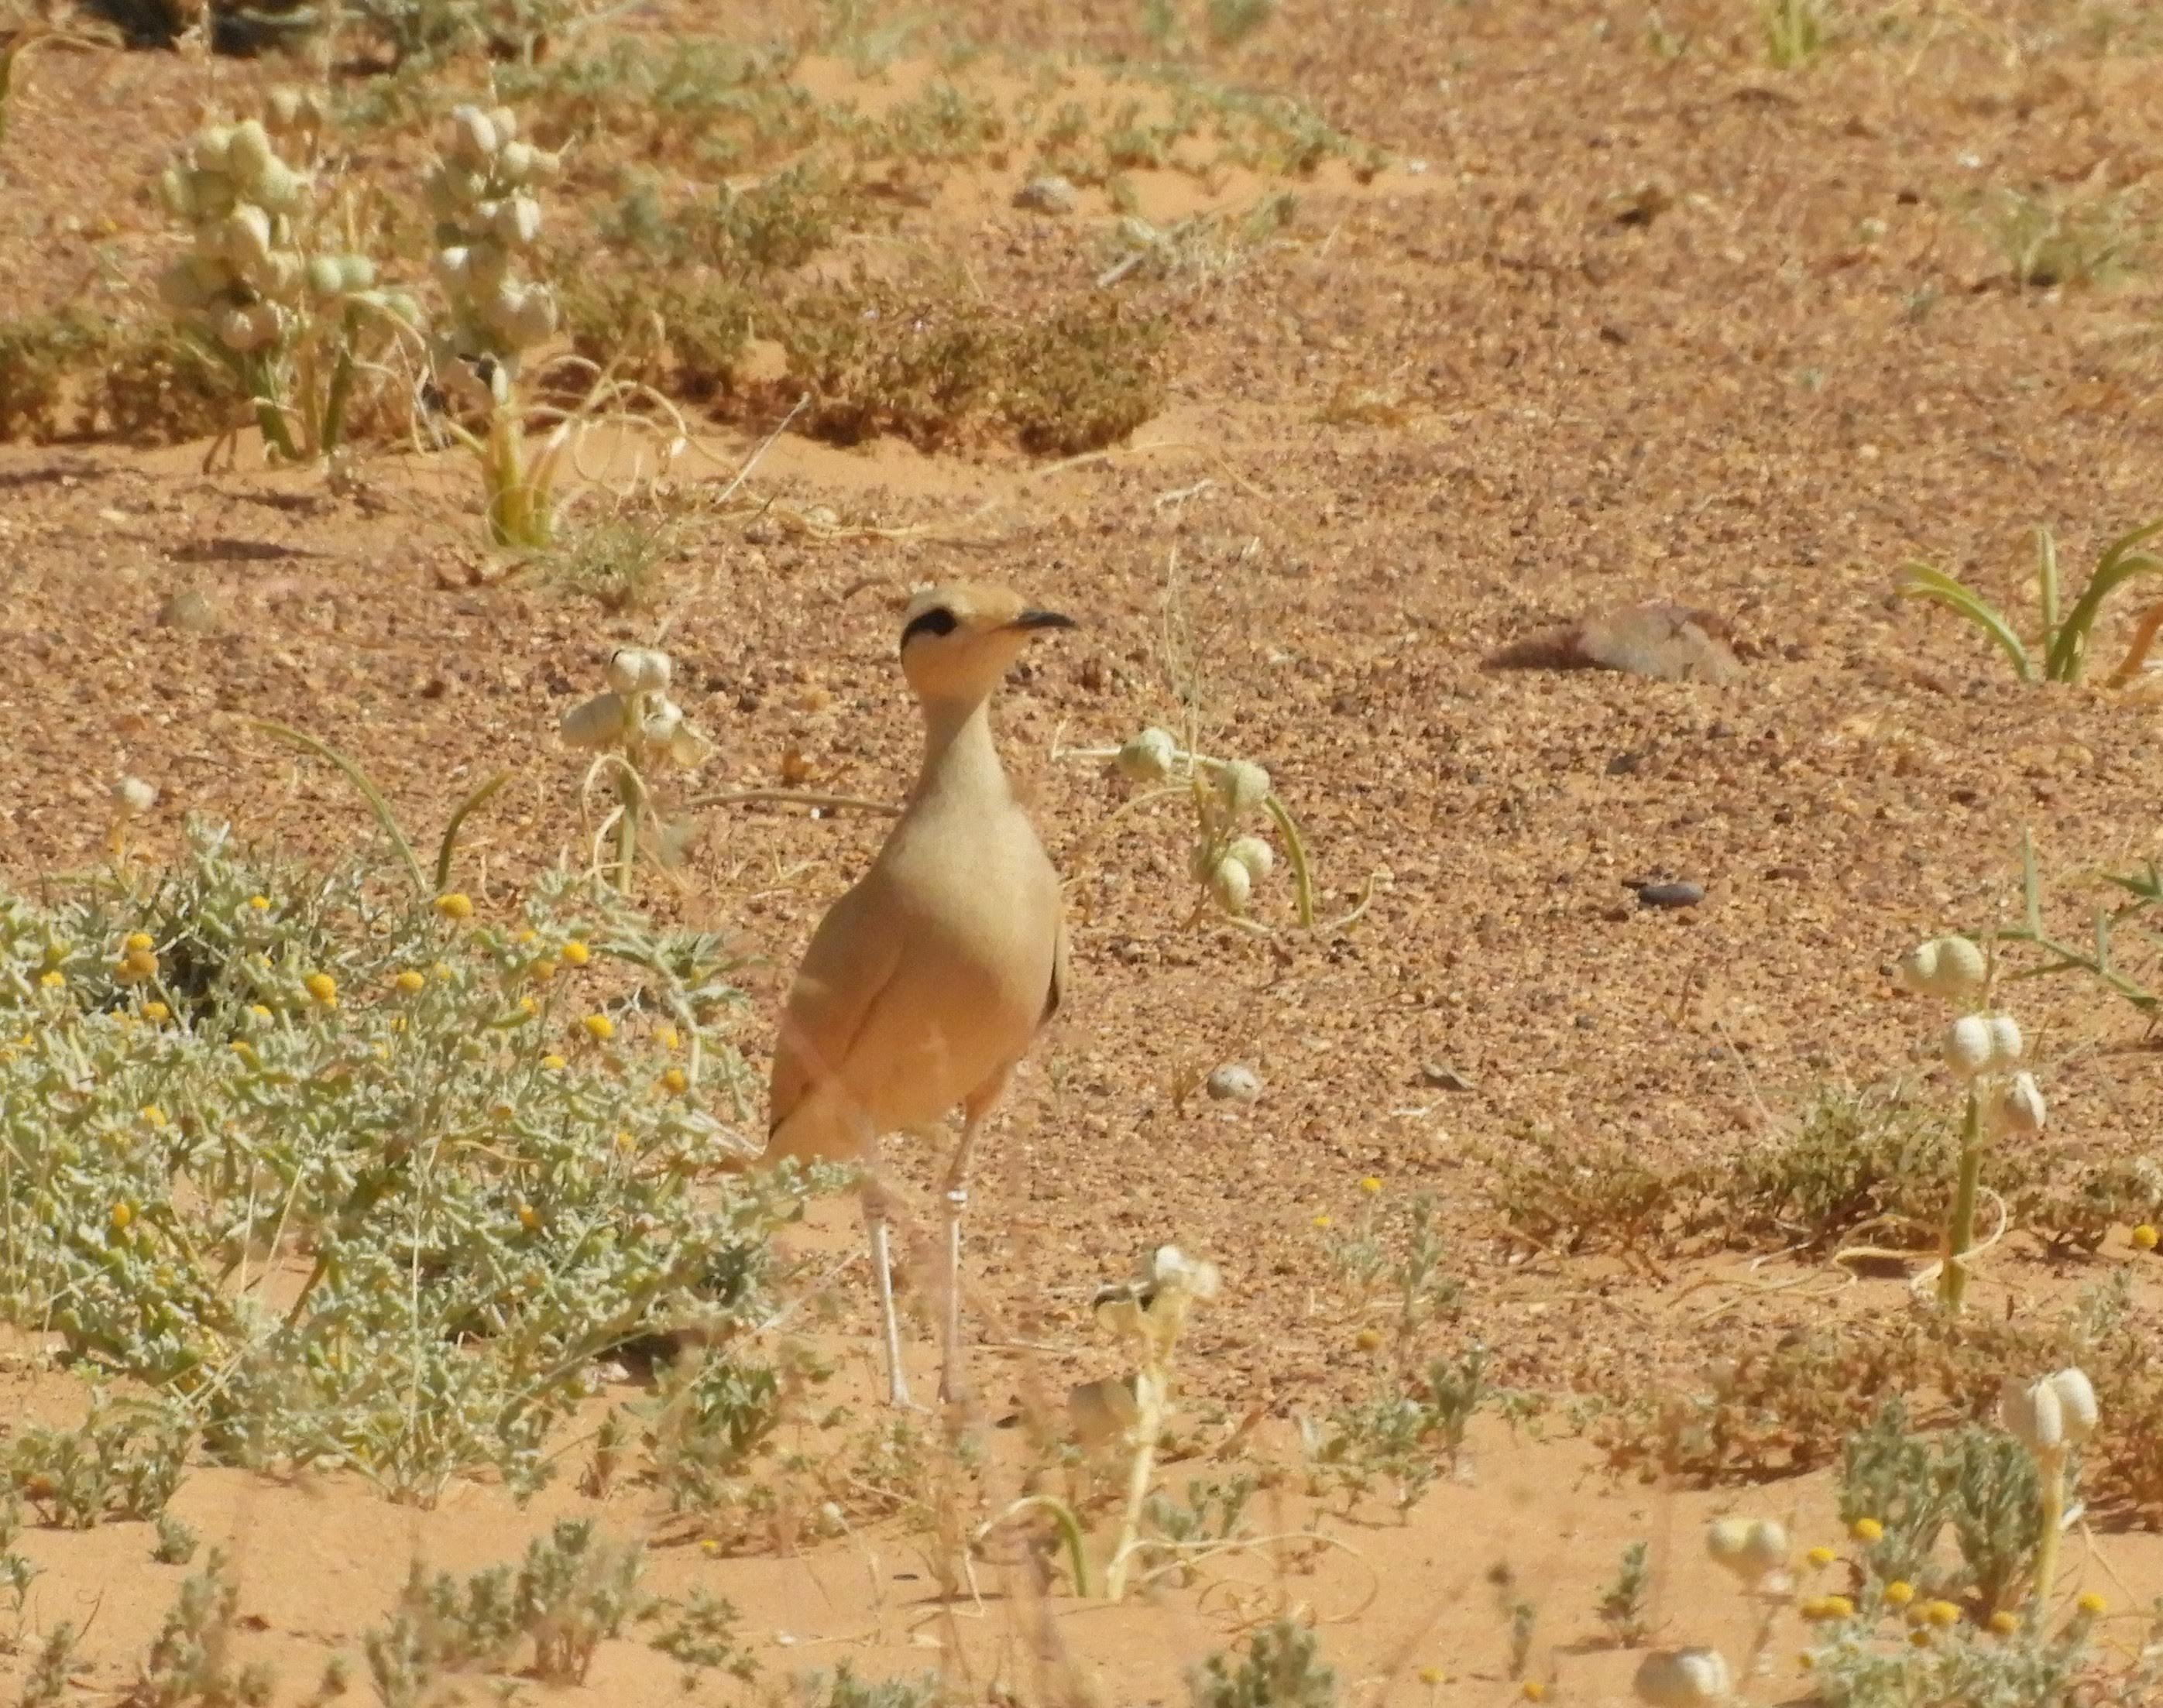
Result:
958,752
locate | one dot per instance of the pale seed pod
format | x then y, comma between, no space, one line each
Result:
499,313
546,166
656,670
356,273
1919,967
2006,1043
662,723
1684,1677
1148,757
594,724
211,195
279,277
133,797
1255,854
1243,786
279,188
281,109
2032,1414
237,331
208,152
248,150
506,124
488,265
399,305
245,235
535,321
1230,887
1765,1549
687,748
473,137
2076,1402
516,223
175,186
266,321
1967,1046
326,275
1961,968
623,671
453,267
2020,1108
515,164
1725,1539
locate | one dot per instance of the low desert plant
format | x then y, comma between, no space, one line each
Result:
634,730
189,1664
2063,645
1280,1666
1625,1606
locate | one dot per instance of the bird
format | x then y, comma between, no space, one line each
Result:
926,983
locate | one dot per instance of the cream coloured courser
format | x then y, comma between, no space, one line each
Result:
926,983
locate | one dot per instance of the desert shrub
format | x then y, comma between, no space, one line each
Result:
1281,1667
1085,378
159,388
1852,1158
683,334
1577,1194
488,1168
42,358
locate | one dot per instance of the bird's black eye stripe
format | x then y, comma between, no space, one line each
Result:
938,621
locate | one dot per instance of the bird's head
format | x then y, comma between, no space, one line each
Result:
958,641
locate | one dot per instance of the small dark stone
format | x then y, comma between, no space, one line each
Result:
1671,895
1625,764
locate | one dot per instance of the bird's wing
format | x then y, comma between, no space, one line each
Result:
853,956
1057,994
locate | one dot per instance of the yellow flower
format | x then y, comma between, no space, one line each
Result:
1321,1221
528,1005
1805,1663
121,1215
139,963
551,1062
261,904
1867,1530
1828,1607
454,904
1941,1613
141,940
673,1079
2145,1237
52,980
1532,1691
2003,1622
441,971
1373,1182
577,954
1899,1592
1367,1339
152,1115
409,980
260,1012
156,1011
670,1038
542,970
709,1546
1431,1675
526,936
1821,1557
242,1048
528,1217
1920,1637
2092,1604
599,1027
624,1141
322,987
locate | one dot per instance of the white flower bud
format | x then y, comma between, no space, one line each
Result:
1684,1677
1231,885
1726,1538
1255,854
2006,1043
473,137
132,796
2020,1109
1967,1048
516,223
2076,1402
2034,1415
594,724
1242,787
1148,757
248,150
453,266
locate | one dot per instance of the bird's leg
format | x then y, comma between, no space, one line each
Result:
877,1213
951,1385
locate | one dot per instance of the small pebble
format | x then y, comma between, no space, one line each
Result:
1671,895
1051,195
1442,1074
1234,1083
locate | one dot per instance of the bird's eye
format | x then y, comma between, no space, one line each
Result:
938,621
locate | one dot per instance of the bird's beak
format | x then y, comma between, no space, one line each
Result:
1030,620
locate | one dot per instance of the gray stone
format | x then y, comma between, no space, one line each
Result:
1234,1083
